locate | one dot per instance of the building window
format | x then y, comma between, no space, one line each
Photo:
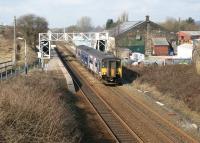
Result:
138,37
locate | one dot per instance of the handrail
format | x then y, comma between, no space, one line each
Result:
6,67
5,62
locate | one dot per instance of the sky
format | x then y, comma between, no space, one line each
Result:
62,13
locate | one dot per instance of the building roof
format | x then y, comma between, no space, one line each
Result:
160,42
191,33
125,26
98,54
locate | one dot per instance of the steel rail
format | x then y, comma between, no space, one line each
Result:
117,127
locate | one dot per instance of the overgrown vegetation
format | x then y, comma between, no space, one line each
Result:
124,17
33,110
7,46
178,81
175,25
30,26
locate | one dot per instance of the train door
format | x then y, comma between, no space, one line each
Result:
119,68
111,69
95,65
91,63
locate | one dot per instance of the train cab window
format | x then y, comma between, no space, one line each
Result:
104,65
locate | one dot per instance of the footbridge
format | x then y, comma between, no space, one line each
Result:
96,40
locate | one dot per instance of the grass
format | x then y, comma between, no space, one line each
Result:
178,81
5,49
175,85
32,109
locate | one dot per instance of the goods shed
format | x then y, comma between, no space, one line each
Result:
160,46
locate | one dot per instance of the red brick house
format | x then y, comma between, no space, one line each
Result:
188,36
160,46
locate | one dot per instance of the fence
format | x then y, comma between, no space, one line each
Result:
8,70
160,62
168,61
5,65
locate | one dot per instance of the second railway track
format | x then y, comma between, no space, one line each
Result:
118,128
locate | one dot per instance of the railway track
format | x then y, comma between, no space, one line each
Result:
116,126
151,126
139,120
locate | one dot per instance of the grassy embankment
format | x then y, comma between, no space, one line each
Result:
36,108
177,85
7,52
5,49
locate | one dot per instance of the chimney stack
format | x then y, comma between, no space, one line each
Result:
147,18
148,50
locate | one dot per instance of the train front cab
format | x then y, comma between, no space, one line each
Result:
112,71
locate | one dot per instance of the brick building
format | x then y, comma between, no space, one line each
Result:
188,36
160,46
137,35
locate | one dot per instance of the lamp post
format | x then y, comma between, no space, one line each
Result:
25,57
14,43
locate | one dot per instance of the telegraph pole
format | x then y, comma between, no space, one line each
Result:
26,66
179,24
14,44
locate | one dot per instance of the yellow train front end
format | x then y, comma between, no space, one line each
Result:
111,71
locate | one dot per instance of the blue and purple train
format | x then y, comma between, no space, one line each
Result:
106,66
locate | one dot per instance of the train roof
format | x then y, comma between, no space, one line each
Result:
96,53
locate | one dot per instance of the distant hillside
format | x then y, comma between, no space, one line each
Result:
6,48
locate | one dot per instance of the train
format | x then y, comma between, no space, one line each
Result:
106,66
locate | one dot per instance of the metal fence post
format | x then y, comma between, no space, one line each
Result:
1,75
11,71
6,72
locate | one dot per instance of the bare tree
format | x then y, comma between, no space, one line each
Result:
123,17
30,26
175,25
72,28
85,24
171,24
98,29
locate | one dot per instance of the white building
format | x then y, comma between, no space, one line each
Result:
185,51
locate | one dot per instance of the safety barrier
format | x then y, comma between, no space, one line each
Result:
9,70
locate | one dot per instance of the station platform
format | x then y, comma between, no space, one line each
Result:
56,65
